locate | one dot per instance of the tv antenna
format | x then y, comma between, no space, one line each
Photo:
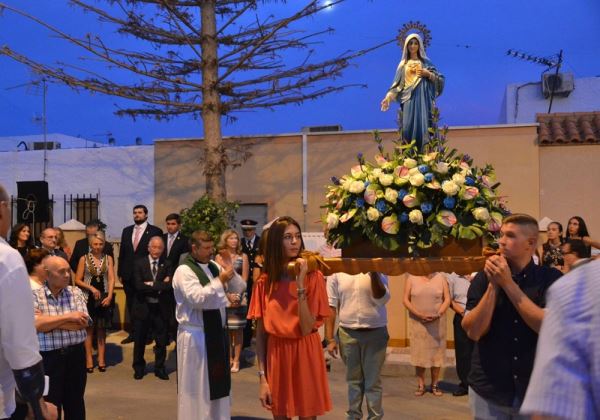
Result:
550,62
34,86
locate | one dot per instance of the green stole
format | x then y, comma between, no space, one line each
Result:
215,337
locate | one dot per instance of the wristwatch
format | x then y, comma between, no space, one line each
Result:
261,373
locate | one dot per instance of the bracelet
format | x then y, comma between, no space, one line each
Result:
330,340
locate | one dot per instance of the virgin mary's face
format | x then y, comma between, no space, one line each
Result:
413,46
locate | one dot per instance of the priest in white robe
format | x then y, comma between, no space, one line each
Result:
203,372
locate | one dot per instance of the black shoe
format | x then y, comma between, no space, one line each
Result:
460,392
161,374
138,375
127,340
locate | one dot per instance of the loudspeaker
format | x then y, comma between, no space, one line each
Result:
32,202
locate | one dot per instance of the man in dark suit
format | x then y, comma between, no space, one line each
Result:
250,248
176,244
82,246
134,244
152,280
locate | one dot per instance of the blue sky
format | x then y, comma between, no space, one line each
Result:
470,39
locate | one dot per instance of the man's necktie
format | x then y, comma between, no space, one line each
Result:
136,238
170,243
154,269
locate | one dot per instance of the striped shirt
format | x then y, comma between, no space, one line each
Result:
70,299
566,378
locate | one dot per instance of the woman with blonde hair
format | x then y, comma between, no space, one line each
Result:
288,309
96,277
229,254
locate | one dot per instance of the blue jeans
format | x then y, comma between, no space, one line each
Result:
363,352
483,409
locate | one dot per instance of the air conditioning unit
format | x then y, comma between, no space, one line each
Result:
562,84
40,145
321,128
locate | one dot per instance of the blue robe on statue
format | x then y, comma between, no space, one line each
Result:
416,102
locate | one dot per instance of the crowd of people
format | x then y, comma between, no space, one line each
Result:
179,289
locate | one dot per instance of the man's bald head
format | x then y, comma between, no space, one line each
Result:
59,272
5,212
156,247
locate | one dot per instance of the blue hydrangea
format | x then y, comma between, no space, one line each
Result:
381,206
402,193
423,168
426,208
449,202
428,177
360,202
469,181
404,217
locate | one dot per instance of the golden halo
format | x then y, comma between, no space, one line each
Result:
414,27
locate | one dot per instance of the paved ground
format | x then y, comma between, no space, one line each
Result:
116,395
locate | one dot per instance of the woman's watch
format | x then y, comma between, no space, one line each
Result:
260,373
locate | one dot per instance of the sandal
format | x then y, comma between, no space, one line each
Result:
420,391
90,369
435,390
101,368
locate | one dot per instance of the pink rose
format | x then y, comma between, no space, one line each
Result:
446,218
401,171
469,193
410,201
370,195
390,224
380,160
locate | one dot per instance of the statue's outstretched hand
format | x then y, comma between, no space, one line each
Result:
385,104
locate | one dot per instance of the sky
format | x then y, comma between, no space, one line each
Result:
469,43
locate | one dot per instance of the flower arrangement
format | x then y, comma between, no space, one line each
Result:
415,198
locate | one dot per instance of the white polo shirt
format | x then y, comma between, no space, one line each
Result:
19,346
353,296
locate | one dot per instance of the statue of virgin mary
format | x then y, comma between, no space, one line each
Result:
416,85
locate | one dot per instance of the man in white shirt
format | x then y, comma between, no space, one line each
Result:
360,300
203,372
19,348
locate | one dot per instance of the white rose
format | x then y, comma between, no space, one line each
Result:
386,179
373,214
459,179
332,220
416,217
450,187
481,214
441,168
376,172
346,182
410,163
417,179
391,195
356,187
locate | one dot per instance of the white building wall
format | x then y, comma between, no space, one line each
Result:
530,100
122,176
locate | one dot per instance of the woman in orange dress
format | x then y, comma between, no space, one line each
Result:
288,311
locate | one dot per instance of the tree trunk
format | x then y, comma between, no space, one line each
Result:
214,152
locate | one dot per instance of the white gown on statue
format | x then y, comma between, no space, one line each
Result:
193,402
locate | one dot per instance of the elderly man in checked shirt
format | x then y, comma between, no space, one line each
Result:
60,320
